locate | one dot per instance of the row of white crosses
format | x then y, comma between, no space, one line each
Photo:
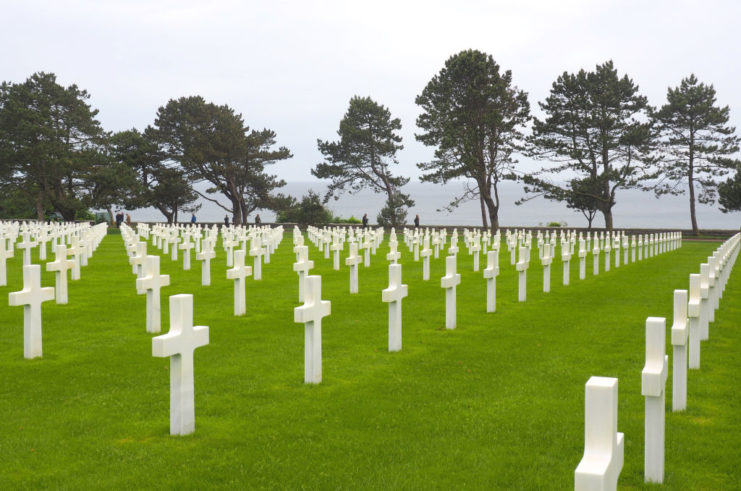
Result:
33,294
603,447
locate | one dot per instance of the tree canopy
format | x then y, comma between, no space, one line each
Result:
474,117
363,156
212,144
596,126
696,141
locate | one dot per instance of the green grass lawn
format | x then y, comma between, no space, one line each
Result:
496,403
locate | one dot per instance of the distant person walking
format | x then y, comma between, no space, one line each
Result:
193,218
365,220
226,220
416,221
257,219
119,219
128,219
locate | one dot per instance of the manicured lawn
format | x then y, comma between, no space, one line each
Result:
496,403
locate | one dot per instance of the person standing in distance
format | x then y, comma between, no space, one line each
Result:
226,220
416,221
365,220
257,219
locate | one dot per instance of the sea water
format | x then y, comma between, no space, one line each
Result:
634,208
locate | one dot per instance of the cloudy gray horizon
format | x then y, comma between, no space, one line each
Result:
293,66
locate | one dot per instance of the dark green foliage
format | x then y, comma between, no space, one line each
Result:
364,153
729,193
212,144
50,143
473,115
697,143
595,126
394,213
151,180
310,211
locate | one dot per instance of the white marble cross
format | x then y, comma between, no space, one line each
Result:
679,352
60,265
26,245
607,249
616,249
653,381
475,249
393,255
449,282
566,261
31,298
186,246
302,267
595,257
453,249
150,284
694,312
490,274
207,253
426,253
353,260
582,259
311,314
257,252
75,250
238,273
706,307
137,260
5,254
175,239
522,265
178,344
336,249
393,295
604,447
229,245
546,261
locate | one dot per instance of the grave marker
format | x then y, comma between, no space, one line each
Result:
653,380
679,354
449,282
239,273
31,297
150,284
311,314
393,295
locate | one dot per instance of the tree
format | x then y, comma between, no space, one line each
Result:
310,211
697,142
473,115
596,126
729,193
150,181
49,139
363,155
212,144
394,213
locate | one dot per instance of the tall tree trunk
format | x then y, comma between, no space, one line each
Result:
608,218
236,212
691,179
110,215
483,212
493,211
39,207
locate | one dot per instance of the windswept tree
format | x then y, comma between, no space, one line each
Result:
363,156
729,193
144,176
697,142
49,139
213,145
596,126
474,116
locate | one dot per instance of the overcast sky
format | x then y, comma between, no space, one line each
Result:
292,66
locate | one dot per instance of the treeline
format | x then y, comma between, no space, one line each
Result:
597,130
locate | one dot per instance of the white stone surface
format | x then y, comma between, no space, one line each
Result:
694,313
653,382
353,260
31,297
5,254
150,284
522,265
60,266
546,261
490,274
186,246
680,331
239,273
179,344
604,447
394,295
205,256
302,267
449,282
425,253
311,314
